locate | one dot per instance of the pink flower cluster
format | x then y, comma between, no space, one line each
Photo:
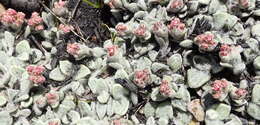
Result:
176,24
112,50
111,4
59,4
36,21
52,97
35,73
218,87
140,31
241,92
11,16
243,3
53,123
165,88
225,50
177,4
141,77
205,41
73,48
65,28
121,29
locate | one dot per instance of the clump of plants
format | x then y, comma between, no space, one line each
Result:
183,62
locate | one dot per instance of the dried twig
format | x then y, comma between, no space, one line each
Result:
81,37
74,10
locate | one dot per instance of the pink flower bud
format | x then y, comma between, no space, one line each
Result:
36,21
176,24
38,79
225,50
241,92
65,28
165,88
53,123
140,31
52,97
59,4
244,3
112,50
141,78
39,27
117,122
35,70
218,87
177,4
73,48
121,28
205,41
10,17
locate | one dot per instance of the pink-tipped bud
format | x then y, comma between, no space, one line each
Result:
241,92
218,87
165,88
10,17
112,50
121,29
38,79
53,123
177,4
60,4
35,70
206,41
141,78
244,3
65,28
52,97
225,50
140,31
36,21
117,122
73,48
176,24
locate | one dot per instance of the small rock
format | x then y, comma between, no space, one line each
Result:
196,109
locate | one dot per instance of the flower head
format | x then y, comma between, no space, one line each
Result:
206,41
165,88
177,4
117,122
65,28
38,79
73,48
176,24
60,4
60,8
241,92
35,70
112,50
53,123
141,78
36,21
225,50
244,3
35,73
10,17
52,97
219,87
121,28
140,31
